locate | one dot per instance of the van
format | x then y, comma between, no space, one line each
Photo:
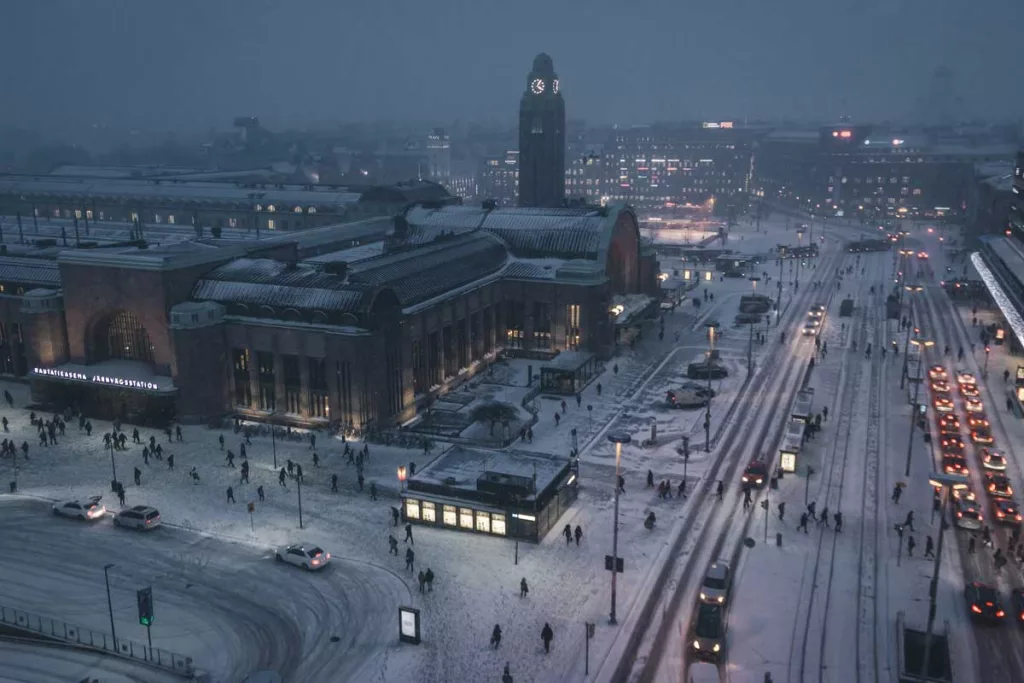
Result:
703,672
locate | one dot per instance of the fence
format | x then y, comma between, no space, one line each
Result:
55,629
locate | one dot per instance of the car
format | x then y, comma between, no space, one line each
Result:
941,386
982,435
1017,604
756,474
992,460
305,555
817,311
974,405
949,424
90,509
943,403
998,484
138,517
964,377
922,254
983,602
709,632
952,443
810,328
954,464
715,588
974,421
969,390
1006,511
968,514
937,372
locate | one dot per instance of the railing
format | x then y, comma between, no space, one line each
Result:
55,629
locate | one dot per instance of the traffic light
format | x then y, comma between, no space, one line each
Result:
145,599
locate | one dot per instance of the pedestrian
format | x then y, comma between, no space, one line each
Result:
259,492
650,479
579,400
360,481
392,545
316,459
312,441
120,493
909,523
823,517
422,578
373,491
496,636
897,491
88,428
291,467
241,450
524,589
280,478
824,413
563,405
911,543
177,433
194,475
394,514
578,533
567,532
170,462
334,483
558,419
220,440
615,368
408,533
245,472
721,489
298,473
782,510
24,449
838,517
803,522
230,459
410,556
970,545
681,491
622,484
9,399
929,546
138,477
746,497
430,580
599,389
231,495
810,509
547,635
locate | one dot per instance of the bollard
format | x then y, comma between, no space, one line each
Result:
13,486
778,540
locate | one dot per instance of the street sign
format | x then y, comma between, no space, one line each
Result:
608,564
251,507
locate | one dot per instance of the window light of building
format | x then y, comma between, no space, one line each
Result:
170,219
466,518
448,515
429,511
271,208
412,509
270,224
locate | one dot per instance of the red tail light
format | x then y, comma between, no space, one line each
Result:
975,609
1000,614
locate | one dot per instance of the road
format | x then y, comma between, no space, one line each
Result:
228,606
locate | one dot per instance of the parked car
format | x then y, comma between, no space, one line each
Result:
138,517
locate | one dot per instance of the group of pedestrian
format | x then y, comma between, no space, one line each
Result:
812,514
546,636
569,534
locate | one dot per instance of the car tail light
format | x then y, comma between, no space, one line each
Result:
316,562
1000,613
1022,616
975,609
959,514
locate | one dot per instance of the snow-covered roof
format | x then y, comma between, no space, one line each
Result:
460,467
267,282
350,255
155,190
569,360
30,271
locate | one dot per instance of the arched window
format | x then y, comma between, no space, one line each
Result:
126,338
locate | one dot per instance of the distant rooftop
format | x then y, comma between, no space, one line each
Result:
460,467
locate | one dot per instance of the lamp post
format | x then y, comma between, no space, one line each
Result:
947,482
113,467
254,198
984,371
799,243
110,605
905,255
782,256
913,289
707,410
618,438
750,340
401,477
923,343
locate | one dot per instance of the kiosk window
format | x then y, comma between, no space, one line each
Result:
465,518
429,512
498,524
483,522
448,515
412,509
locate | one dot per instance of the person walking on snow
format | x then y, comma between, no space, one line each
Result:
392,545
231,495
408,533
409,557
578,533
524,589
782,510
810,509
245,472
496,637
911,544
567,532
803,522
928,547
373,491
220,440
650,479
259,492
230,459
334,483
422,580
547,635
909,523
280,478
170,462
897,491
823,517
721,489
838,517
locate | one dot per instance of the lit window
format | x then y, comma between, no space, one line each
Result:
311,209
298,209
170,219
483,522
135,216
412,509
270,224
498,524
232,222
78,213
466,518
271,208
156,218
448,515
429,512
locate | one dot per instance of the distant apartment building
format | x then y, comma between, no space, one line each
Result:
852,170
499,179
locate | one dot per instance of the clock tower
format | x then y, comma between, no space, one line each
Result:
542,138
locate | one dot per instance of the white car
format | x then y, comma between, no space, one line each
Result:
304,555
964,377
138,517
715,588
89,509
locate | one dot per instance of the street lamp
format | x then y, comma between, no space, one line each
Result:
923,343
113,468
617,438
799,257
904,264
947,482
110,605
750,340
984,372
707,410
401,477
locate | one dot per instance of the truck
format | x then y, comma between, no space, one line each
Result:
792,440
803,408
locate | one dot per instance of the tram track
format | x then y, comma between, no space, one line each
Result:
708,528
814,657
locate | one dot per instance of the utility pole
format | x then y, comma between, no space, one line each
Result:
110,604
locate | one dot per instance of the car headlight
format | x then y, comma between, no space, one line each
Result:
702,596
721,598
696,645
716,648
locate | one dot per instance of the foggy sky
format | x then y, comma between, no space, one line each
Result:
193,64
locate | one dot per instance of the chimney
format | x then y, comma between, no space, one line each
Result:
339,268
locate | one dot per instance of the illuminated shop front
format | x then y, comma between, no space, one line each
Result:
501,493
113,389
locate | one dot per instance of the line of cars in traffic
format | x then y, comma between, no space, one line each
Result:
709,624
982,600
306,555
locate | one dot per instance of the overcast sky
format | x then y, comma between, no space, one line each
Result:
193,64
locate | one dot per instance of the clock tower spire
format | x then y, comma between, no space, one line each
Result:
542,137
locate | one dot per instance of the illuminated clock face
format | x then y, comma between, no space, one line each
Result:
554,86
537,86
